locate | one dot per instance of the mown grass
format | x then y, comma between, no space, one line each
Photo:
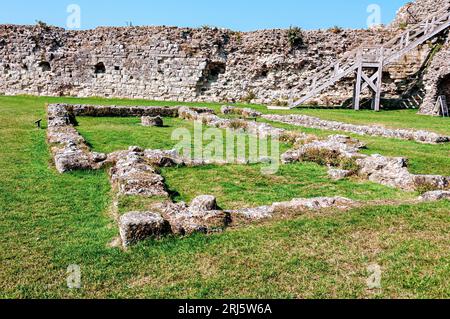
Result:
50,221
109,134
234,185
245,186
406,119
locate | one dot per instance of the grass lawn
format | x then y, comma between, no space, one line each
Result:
406,119
49,221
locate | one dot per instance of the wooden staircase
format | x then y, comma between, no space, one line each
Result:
414,101
367,62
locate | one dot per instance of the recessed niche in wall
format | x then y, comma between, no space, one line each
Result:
6,68
45,66
444,86
117,68
100,68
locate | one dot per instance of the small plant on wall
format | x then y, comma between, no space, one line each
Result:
295,37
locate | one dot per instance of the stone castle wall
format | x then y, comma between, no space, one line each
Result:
167,63
437,81
416,11
182,64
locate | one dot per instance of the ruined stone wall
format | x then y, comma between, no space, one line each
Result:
182,64
437,81
416,11
438,67
164,63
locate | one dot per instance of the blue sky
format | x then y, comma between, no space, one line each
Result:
244,15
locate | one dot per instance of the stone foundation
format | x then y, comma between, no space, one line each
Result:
135,172
372,130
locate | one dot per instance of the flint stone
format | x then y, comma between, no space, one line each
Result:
186,220
338,174
134,176
161,158
434,181
387,171
152,121
70,158
204,203
435,196
314,204
257,213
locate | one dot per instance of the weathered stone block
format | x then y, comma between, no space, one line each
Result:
152,121
338,174
204,203
138,226
435,196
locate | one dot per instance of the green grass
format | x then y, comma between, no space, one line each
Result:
235,186
50,221
108,134
405,119
245,186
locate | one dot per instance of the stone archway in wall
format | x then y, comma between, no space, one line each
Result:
443,87
210,75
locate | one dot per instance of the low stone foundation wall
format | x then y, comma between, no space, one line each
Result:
338,150
69,149
372,130
135,171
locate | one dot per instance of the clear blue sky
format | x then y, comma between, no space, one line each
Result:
241,15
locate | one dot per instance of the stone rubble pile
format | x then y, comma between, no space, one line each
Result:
138,226
389,171
339,174
262,130
204,216
339,145
435,196
314,122
245,112
152,121
296,205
